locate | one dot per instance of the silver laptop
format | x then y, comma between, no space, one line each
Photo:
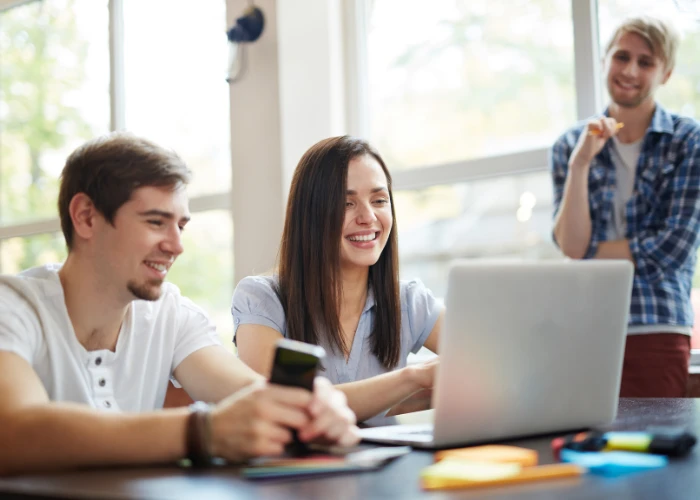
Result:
528,347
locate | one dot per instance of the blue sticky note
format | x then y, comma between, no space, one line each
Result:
613,463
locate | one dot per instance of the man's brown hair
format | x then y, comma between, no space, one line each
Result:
110,168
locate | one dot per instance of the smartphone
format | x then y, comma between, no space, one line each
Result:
295,364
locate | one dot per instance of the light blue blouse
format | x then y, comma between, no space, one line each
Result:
256,303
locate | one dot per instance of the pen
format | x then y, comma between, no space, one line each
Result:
613,463
618,126
671,442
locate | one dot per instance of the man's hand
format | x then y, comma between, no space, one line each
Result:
256,421
332,421
592,139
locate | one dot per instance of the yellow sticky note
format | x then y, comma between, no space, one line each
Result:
491,453
448,471
452,474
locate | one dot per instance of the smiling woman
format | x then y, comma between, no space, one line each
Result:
337,283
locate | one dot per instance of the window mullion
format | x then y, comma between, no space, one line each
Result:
523,162
116,65
30,228
356,78
586,57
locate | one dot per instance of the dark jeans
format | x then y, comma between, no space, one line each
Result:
655,366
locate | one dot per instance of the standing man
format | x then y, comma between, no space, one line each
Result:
87,348
627,186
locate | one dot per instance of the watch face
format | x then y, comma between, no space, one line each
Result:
199,406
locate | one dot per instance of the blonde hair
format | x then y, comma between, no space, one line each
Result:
660,35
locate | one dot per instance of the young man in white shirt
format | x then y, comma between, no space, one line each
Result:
633,192
87,348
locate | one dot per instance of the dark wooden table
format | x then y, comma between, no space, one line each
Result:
680,480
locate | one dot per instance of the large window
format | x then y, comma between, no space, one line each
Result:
175,87
74,69
464,98
507,216
453,80
54,84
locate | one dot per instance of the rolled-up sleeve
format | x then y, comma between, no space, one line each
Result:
558,162
422,310
17,337
20,331
655,252
195,331
255,302
559,168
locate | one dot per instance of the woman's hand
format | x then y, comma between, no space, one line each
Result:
423,374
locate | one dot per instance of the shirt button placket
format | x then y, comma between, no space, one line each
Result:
100,373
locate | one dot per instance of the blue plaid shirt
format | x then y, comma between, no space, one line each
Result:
663,215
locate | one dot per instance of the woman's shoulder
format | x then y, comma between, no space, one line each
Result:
412,287
259,281
417,299
420,311
256,290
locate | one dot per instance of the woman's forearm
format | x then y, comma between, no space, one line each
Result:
375,395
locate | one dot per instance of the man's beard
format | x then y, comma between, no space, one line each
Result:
150,290
628,102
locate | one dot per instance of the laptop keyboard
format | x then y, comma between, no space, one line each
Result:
419,432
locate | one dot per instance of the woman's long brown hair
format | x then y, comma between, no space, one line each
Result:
310,287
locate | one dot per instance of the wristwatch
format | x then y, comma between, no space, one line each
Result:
198,434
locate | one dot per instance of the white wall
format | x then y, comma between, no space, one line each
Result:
290,97
256,150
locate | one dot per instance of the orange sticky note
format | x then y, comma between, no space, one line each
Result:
491,453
